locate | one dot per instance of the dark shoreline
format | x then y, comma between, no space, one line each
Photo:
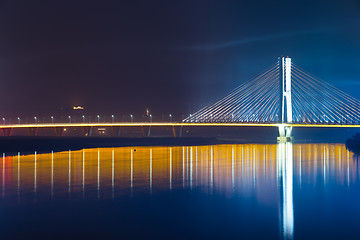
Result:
353,144
28,145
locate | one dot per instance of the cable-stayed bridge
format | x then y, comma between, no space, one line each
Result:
283,96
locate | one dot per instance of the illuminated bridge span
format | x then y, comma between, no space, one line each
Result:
284,96
175,128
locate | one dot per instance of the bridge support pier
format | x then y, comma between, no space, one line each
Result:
149,131
173,131
32,131
6,132
87,131
284,133
59,131
115,131
181,130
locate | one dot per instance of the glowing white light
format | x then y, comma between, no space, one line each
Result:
132,168
151,169
285,173
113,172
170,168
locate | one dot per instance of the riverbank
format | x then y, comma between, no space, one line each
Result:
353,144
13,145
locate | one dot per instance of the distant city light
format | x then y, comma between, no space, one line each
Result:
78,108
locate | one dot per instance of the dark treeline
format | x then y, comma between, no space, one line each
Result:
353,144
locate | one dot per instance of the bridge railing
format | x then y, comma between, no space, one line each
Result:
163,118
90,119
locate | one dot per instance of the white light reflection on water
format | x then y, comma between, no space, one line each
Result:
285,161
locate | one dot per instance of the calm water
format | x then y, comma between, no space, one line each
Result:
250,191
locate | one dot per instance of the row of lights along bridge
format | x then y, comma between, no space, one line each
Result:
143,118
88,119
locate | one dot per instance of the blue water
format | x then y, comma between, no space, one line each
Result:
250,191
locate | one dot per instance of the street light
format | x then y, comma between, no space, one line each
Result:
150,118
69,119
131,118
112,117
35,119
170,116
52,119
83,117
98,118
4,121
18,119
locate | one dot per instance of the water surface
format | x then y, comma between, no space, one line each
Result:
248,191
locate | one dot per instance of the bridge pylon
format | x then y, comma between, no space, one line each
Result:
285,115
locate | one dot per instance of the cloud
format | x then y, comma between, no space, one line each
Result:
208,47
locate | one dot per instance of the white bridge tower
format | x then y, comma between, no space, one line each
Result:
285,115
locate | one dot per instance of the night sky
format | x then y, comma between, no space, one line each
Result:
120,57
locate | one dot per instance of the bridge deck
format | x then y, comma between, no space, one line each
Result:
161,124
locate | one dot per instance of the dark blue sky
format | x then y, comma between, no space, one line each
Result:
171,56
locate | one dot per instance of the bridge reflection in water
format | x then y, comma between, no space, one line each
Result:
266,172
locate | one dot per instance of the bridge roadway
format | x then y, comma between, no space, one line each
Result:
87,128
172,124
